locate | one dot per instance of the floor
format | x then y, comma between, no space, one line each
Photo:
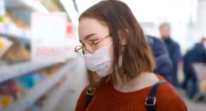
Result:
192,106
68,101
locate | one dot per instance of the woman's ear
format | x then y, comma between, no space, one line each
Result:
122,34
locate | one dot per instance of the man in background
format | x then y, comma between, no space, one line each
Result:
196,55
160,53
173,49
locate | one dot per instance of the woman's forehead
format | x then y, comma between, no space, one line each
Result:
88,26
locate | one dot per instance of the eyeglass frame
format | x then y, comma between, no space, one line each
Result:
80,47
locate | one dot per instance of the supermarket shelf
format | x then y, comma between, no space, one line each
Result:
24,40
38,91
9,72
15,36
55,97
13,31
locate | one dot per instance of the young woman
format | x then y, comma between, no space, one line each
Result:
120,64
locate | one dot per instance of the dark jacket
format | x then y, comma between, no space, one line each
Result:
196,55
199,52
174,53
164,64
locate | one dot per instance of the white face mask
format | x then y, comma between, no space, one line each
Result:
100,61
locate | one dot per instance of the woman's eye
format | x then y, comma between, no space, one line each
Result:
93,41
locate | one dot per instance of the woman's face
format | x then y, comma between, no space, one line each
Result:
94,35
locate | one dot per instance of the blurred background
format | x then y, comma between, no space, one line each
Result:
26,85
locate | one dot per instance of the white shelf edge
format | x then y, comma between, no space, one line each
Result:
9,72
34,94
55,97
11,31
15,36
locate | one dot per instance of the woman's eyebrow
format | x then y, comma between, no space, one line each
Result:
88,36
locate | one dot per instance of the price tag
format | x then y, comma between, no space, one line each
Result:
70,41
48,37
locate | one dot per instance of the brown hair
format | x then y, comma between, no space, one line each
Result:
164,24
203,38
137,56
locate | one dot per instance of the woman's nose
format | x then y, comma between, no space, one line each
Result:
88,50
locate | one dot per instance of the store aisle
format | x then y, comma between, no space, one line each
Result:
69,99
192,106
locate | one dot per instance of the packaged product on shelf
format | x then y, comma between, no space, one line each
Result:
20,85
9,88
6,100
37,78
16,53
52,70
43,74
32,79
20,24
12,86
28,81
7,19
5,44
7,94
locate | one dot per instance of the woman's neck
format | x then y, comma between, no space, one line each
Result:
142,81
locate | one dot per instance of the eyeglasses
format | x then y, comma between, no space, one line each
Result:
81,49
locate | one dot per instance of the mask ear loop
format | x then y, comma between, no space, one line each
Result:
123,49
120,59
110,45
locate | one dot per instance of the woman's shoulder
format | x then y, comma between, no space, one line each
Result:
168,99
166,89
81,102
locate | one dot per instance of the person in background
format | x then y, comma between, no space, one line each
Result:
196,55
173,49
115,48
200,51
164,64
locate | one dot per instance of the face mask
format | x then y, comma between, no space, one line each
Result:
100,61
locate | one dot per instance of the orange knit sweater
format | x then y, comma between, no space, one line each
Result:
107,98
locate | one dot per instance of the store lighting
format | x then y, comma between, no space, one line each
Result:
69,7
35,5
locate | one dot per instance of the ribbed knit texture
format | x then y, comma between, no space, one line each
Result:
107,98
